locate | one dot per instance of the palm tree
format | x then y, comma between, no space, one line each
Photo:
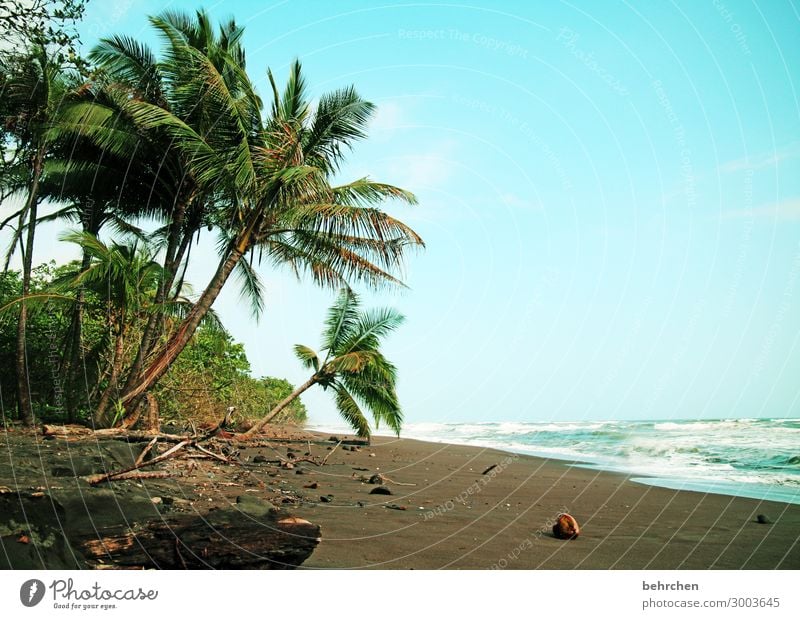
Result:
264,184
352,366
124,277
34,86
273,186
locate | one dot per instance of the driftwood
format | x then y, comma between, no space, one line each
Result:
221,540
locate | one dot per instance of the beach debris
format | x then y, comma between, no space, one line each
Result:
312,486
325,459
259,459
326,498
299,472
24,539
334,439
566,527
376,479
401,508
371,455
762,519
380,490
490,469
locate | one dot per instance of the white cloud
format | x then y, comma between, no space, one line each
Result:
788,209
428,168
512,200
388,117
760,161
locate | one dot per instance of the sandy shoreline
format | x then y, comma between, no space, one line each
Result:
445,509
455,517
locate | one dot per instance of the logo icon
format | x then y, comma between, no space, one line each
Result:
31,592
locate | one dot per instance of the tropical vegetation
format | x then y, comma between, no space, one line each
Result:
144,153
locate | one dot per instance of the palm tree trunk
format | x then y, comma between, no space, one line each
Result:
100,418
72,354
23,387
156,321
177,342
280,406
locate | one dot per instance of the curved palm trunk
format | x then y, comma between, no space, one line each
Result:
23,387
280,406
156,321
178,341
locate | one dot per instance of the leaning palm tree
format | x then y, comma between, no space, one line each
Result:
352,366
275,195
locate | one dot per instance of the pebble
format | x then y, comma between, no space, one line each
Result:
380,490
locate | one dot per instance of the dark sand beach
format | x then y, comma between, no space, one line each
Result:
456,517
443,511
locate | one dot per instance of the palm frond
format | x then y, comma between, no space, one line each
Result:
341,321
308,357
349,409
251,287
370,327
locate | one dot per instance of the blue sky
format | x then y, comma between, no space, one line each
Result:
609,193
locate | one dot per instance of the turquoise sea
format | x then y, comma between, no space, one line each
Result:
758,458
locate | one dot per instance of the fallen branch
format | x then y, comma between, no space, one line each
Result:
170,453
330,453
145,451
211,453
137,475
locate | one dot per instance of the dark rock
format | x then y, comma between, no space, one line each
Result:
380,490
290,455
334,439
326,498
312,486
258,459
401,508
299,472
489,470
762,519
78,467
377,479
